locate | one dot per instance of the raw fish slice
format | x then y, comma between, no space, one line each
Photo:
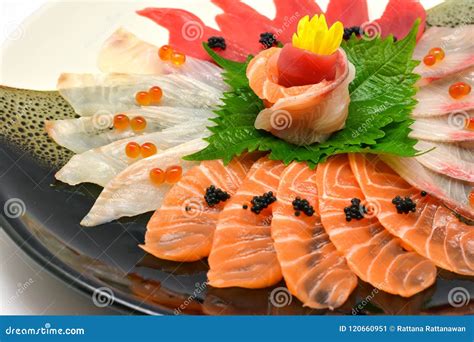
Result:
132,193
124,52
314,271
187,32
90,94
434,99
183,227
371,252
457,45
432,230
399,17
448,128
85,133
451,160
349,12
102,164
242,252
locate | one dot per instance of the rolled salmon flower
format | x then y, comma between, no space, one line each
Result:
305,85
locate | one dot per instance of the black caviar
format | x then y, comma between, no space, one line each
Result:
216,43
348,31
302,205
404,205
355,210
215,195
268,40
424,193
245,206
261,202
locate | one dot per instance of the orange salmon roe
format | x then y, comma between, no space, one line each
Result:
173,174
429,60
177,58
459,89
148,149
157,176
470,124
471,198
165,52
121,121
437,52
132,150
155,94
138,123
143,98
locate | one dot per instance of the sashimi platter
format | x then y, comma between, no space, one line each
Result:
316,162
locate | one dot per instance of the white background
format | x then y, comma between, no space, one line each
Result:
44,294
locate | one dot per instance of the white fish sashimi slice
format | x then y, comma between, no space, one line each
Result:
90,94
453,192
124,52
447,128
458,46
131,192
102,164
85,133
434,99
451,160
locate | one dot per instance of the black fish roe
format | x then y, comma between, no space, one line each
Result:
215,195
216,43
268,40
424,193
245,206
355,210
348,31
404,205
261,202
302,205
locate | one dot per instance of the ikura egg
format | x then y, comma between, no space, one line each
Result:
121,121
138,123
132,150
459,89
165,52
173,174
143,98
438,53
155,94
177,58
429,60
148,149
157,176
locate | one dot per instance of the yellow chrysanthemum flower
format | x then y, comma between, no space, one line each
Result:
315,36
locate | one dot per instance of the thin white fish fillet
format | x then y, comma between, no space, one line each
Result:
434,99
446,128
453,192
126,53
131,192
100,165
458,46
447,159
89,94
85,133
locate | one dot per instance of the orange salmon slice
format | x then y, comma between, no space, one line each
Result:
375,255
182,229
432,230
242,252
314,271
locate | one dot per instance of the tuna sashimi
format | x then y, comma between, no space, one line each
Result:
183,227
371,252
314,271
457,46
431,230
446,128
350,12
434,99
242,252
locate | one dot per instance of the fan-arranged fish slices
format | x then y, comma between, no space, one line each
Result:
314,271
242,252
430,229
371,252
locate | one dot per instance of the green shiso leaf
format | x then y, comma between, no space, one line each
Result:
379,113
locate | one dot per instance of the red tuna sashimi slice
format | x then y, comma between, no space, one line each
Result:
432,230
399,17
376,256
183,227
187,32
242,252
349,12
458,48
314,271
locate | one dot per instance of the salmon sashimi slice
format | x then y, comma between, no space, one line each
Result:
314,271
458,48
242,252
376,256
350,12
183,227
431,230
